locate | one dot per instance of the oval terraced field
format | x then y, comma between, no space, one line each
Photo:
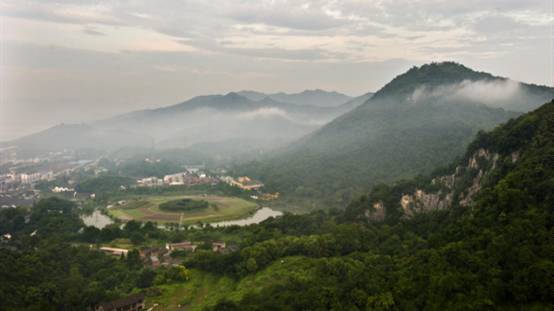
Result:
146,208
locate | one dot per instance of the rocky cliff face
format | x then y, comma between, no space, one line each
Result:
518,151
378,212
458,188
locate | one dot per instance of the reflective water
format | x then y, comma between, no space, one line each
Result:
97,220
259,216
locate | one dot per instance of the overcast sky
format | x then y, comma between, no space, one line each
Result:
76,61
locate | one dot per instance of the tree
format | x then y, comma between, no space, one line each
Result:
251,265
133,259
136,238
146,278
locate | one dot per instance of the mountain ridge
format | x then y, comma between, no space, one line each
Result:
194,122
315,97
410,126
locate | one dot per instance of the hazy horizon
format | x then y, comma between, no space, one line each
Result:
78,61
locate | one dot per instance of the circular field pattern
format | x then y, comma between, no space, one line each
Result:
146,208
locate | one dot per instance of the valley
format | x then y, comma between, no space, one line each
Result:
276,155
411,200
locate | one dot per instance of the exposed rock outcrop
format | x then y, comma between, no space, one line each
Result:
463,185
378,212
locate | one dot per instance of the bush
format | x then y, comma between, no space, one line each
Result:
184,205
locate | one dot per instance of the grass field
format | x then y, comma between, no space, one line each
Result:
206,289
146,208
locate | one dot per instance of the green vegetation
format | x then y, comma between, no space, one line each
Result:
184,205
207,289
202,289
220,189
104,184
167,209
498,254
42,267
140,168
411,126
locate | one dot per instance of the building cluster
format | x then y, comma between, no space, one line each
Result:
196,176
133,302
62,189
218,247
28,179
12,180
161,256
24,173
189,177
181,246
117,252
244,182
155,257
150,182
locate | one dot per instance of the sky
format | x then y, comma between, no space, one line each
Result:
77,61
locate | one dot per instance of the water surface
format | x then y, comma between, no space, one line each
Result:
96,219
259,216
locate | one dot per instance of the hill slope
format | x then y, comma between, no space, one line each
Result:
208,121
420,120
511,166
494,253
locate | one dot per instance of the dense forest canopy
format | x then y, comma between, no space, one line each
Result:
184,205
48,265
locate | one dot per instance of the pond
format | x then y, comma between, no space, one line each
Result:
259,216
99,220
96,219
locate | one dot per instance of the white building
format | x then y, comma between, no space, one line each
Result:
61,189
25,178
114,251
150,182
175,179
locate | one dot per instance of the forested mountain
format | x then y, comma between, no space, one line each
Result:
492,252
208,121
422,119
355,102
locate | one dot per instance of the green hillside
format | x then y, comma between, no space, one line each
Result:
490,247
493,254
422,119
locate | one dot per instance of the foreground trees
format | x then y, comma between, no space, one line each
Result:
496,254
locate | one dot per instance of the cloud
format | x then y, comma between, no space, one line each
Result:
315,15
318,30
92,32
489,92
113,56
265,113
60,12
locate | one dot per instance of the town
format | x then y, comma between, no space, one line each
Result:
195,176
24,180
19,177
169,255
